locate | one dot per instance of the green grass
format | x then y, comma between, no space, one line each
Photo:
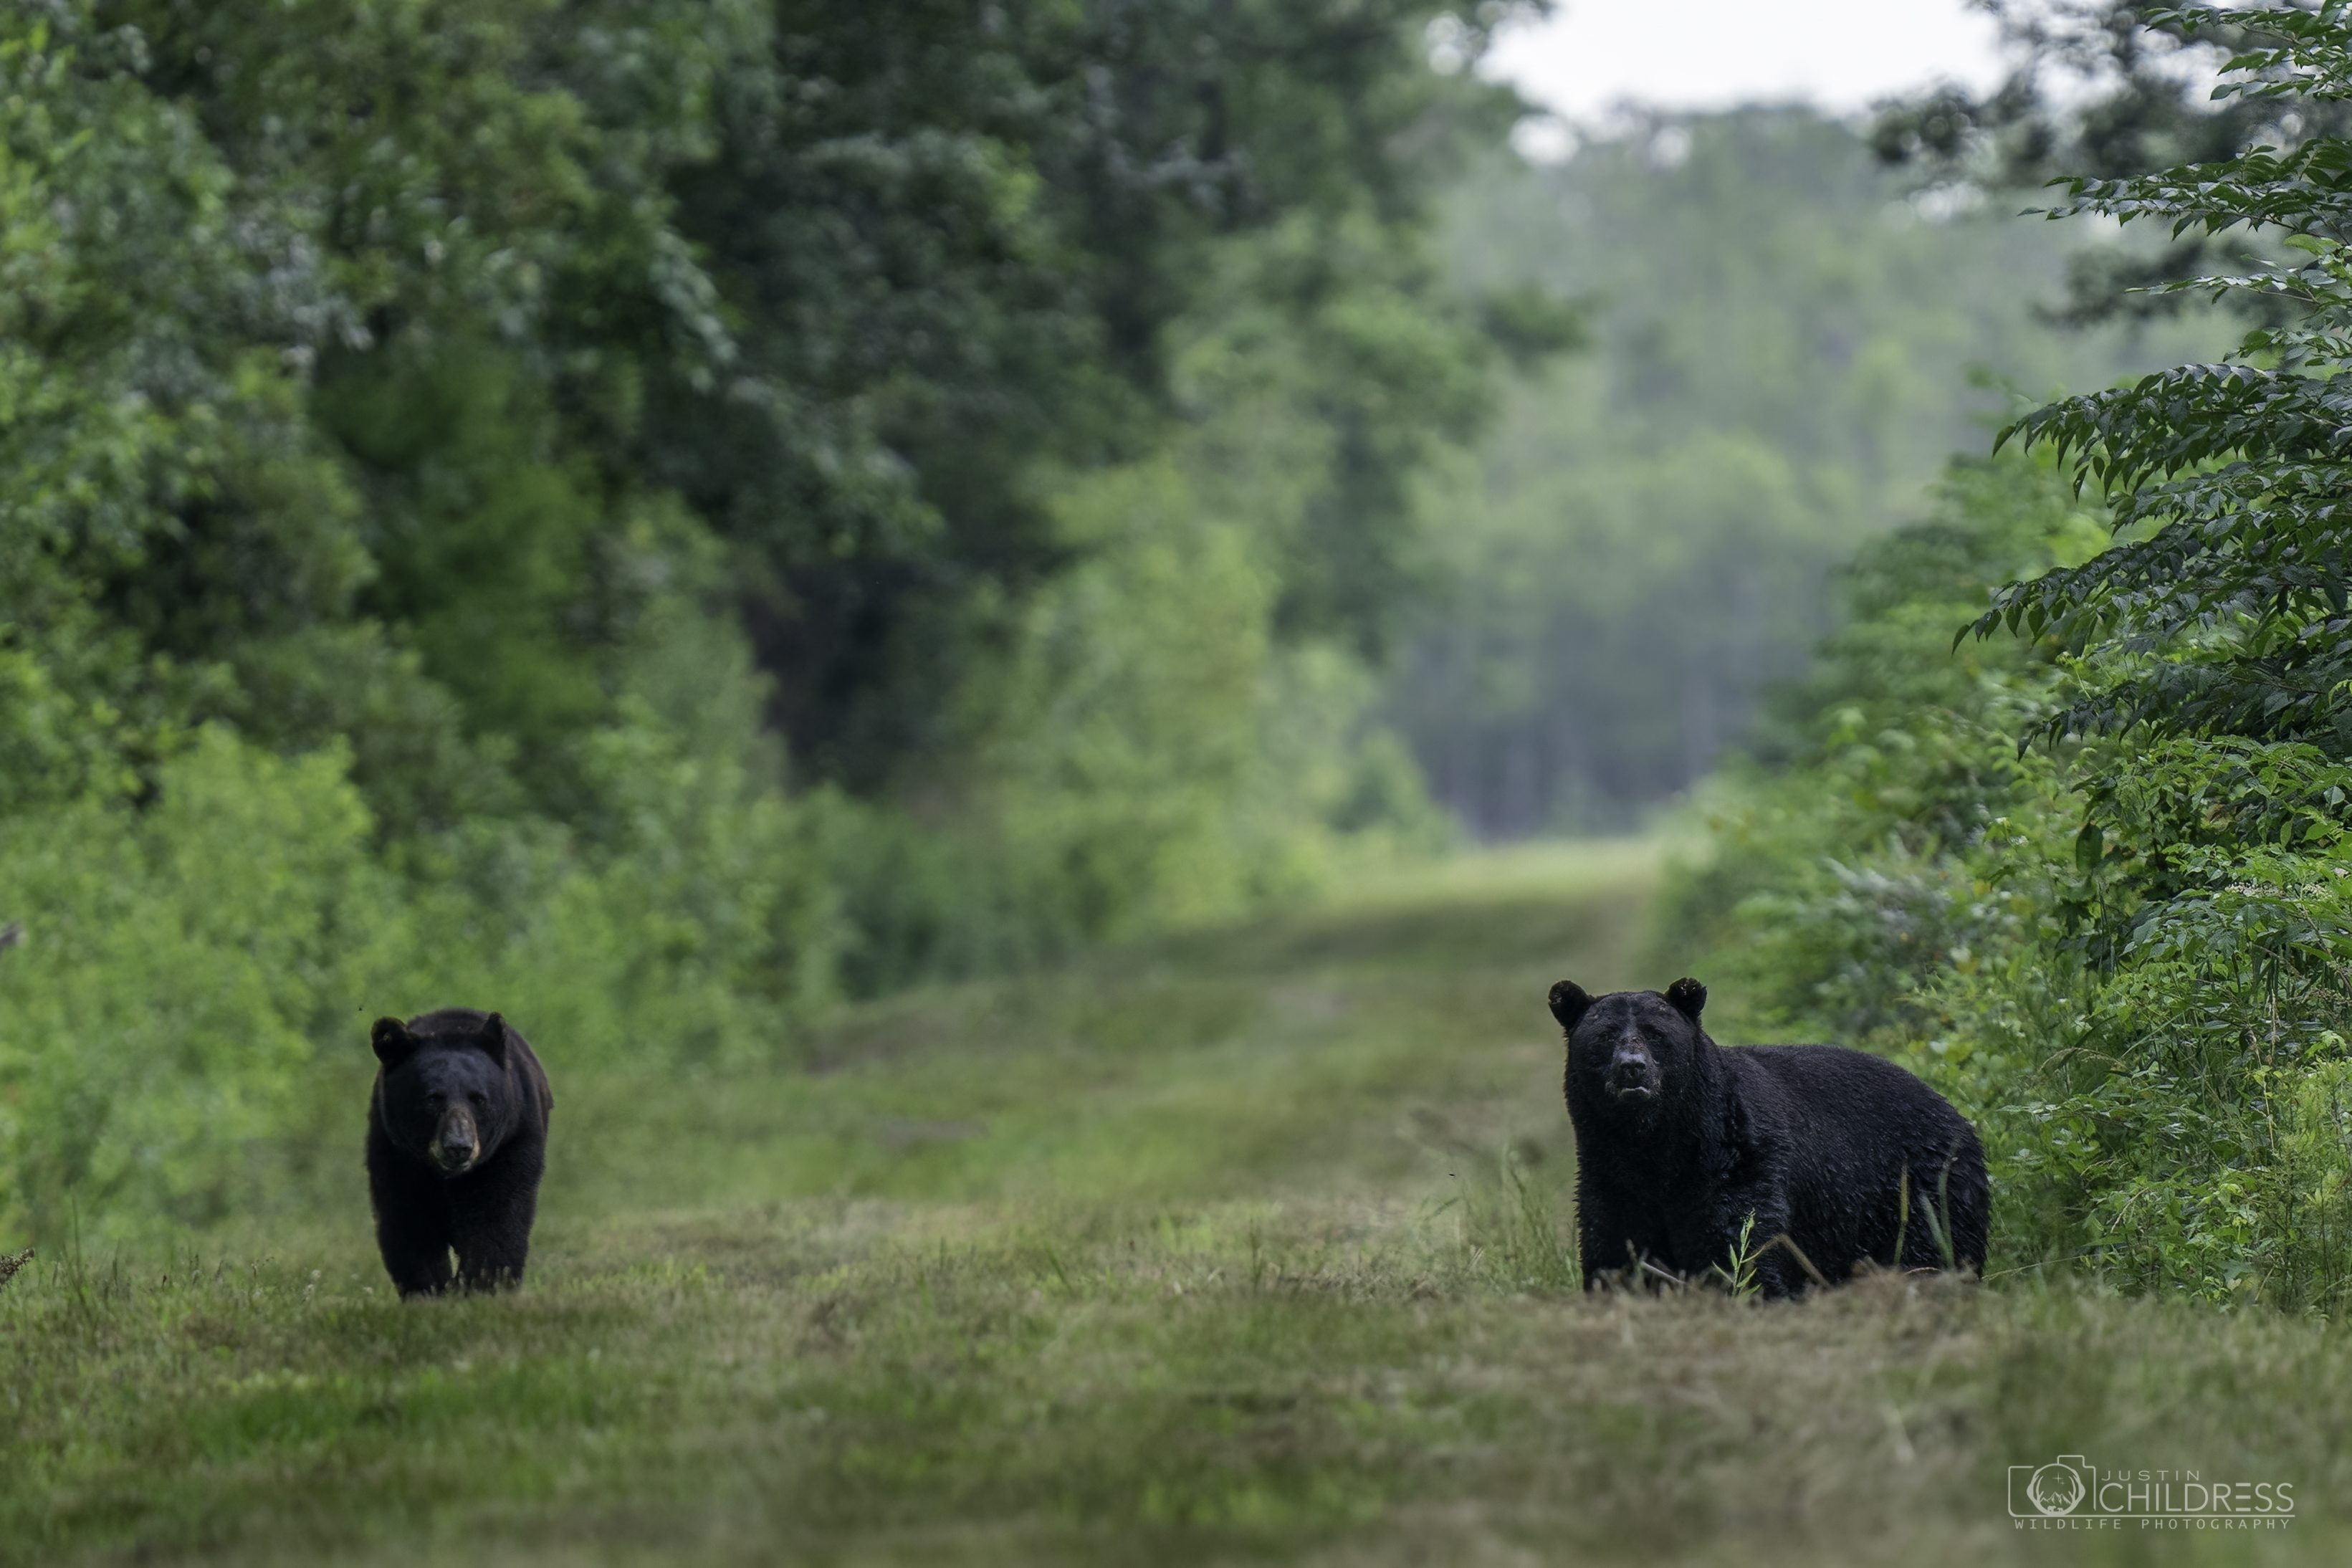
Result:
1244,1247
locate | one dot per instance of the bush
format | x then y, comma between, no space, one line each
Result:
1148,756
178,965
183,1031
2131,967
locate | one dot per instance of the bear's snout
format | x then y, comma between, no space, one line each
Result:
456,1142
1633,1074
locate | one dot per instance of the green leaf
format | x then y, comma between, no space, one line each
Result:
2090,846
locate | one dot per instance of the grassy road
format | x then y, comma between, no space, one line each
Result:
1246,1247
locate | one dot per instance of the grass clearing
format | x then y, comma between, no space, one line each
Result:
1244,1247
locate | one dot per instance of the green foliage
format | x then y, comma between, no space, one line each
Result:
2130,950
185,1018
2204,897
972,247
1737,1272
1838,849
246,898
2225,476
650,514
2130,972
1148,755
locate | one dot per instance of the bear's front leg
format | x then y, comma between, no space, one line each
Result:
1606,1247
412,1221
493,1214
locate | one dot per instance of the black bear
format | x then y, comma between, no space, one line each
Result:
1680,1141
457,1141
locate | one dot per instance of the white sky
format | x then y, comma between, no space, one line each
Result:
1593,56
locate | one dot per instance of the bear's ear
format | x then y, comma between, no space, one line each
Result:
1569,1003
393,1044
1688,996
493,1038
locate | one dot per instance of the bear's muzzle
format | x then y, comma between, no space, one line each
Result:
456,1142
1633,1078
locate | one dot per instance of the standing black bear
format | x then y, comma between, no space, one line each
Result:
456,1140
1679,1140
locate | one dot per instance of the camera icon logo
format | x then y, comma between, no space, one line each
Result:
2050,1490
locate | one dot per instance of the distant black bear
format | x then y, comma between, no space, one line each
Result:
457,1141
1679,1140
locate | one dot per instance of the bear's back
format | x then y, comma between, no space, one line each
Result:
1839,1076
1849,1124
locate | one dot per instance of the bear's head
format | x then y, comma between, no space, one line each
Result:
444,1089
1631,1051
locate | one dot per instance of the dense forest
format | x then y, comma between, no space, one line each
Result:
673,513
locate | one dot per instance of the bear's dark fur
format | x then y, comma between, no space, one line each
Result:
456,1140
1679,1140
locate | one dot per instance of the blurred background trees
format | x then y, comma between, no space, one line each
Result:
1789,340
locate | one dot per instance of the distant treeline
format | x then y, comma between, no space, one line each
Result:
1788,339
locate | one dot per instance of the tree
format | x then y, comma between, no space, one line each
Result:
2106,89
2224,602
